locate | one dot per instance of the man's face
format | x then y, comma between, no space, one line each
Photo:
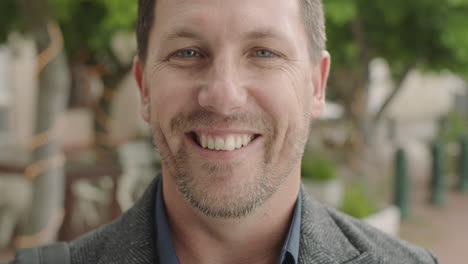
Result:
229,90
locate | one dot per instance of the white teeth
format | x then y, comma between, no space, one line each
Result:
211,144
219,143
238,141
245,140
204,141
229,143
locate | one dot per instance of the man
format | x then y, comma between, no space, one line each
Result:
229,89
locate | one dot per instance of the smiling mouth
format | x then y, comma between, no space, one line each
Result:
228,142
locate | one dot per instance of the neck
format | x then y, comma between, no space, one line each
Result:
256,238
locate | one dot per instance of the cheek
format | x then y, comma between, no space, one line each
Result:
170,94
286,98
278,99
283,95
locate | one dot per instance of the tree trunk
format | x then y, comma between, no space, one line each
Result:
102,113
401,77
350,86
47,172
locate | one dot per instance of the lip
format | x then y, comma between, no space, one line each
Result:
222,132
221,155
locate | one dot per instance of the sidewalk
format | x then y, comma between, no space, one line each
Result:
443,230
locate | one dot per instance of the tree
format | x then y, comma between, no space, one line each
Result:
425,34
46,169
87,27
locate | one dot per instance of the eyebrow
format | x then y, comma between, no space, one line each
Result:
181,33
261,33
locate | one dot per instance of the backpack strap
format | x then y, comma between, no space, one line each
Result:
49,254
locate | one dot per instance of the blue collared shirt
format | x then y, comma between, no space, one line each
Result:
165,246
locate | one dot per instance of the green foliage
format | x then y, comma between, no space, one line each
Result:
61,9
454,127
430,31
456,36
317,168
340,11
356,202
121,14
87,25
430,34
9,18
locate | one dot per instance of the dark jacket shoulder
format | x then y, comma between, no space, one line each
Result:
343,239
327,237
128,239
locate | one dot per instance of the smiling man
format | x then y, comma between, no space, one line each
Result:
229,88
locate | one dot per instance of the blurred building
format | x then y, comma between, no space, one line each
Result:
413,119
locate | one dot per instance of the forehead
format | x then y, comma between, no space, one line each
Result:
228,17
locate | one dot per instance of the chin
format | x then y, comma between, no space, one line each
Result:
230,192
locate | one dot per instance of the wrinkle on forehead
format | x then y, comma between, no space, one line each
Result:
229,17
219,23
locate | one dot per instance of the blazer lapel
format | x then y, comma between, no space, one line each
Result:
322,241
133,234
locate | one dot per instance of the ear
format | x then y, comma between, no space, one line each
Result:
321,71
144,95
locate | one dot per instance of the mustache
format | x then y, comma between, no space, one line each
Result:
203,118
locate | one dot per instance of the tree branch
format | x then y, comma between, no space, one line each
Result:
393,94
360,36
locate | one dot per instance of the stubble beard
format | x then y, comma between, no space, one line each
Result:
201,191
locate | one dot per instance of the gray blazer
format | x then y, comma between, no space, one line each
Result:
327,237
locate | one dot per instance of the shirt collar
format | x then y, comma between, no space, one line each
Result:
165,246
290,251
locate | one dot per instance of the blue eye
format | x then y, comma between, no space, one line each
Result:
264,53
188,53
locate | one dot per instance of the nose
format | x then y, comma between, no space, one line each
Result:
222,92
